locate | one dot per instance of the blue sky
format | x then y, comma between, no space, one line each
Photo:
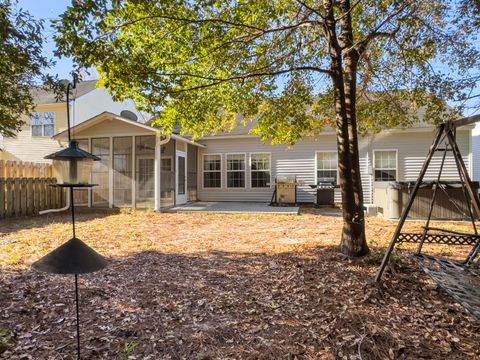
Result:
49,10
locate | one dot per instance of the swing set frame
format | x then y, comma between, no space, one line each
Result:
461,280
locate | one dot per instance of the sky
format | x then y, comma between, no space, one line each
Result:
49,10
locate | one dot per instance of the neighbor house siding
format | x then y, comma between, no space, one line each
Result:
25,147
476,156
300,160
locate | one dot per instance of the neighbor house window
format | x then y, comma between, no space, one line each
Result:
43,123
385,165
327,165
236,170
260,170
212,171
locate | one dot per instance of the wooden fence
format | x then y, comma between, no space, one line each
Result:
25,189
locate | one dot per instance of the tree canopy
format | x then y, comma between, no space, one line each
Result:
269,60
22,64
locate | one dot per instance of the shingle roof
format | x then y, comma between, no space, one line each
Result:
47,96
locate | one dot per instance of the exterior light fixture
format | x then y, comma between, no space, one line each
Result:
72,167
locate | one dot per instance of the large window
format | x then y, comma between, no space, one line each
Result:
235,170
327,165
122,171
43,123
385,165
260,170
100,171
212,171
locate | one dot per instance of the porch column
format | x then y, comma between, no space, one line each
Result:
157,170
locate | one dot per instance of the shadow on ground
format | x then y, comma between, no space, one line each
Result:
214,305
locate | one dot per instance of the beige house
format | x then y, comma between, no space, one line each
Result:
35,140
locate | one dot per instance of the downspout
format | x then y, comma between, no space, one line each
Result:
65,208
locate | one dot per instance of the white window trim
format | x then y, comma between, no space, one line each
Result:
316,163
244,170
269,186
203,172
374,168
43,127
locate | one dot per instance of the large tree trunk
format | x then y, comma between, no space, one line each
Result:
343,68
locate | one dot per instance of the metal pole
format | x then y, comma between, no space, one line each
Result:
406,210
78,317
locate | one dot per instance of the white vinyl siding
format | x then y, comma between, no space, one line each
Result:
301,161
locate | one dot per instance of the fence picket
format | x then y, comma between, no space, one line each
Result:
2,198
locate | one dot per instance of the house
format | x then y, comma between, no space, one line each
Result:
142,168
49,117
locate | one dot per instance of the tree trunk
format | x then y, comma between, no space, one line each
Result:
353,241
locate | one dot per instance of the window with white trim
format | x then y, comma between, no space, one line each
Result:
166,164
43,123
235,170
260,170
385,165
327,165
212,171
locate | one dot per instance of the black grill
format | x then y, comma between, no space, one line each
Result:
325,191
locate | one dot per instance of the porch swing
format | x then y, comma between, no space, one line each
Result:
460,279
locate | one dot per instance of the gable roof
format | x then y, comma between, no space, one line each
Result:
106,115
42,95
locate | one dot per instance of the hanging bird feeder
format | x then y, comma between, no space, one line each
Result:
72,167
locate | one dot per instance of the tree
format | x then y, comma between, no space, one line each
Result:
292,66
21,65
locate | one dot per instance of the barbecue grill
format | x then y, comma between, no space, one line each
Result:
325,191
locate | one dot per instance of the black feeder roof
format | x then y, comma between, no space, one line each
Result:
72,152
73,257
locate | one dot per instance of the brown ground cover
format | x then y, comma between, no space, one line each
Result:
205,286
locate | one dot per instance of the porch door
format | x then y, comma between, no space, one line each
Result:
181,178
145,180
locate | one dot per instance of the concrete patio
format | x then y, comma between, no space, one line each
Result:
235,208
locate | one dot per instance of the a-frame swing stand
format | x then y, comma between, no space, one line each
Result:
461,280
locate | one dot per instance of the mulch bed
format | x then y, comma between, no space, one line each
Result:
170,293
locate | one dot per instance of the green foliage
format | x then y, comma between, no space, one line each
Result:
201,63
21,64
128,349
6,340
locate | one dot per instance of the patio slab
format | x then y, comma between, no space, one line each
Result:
235,208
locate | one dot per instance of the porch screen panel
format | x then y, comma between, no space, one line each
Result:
122,171
167,174
145,171
100,171
80,195
192,172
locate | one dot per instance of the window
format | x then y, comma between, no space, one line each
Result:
166,164
122,171
260,170
385,162
235,170
43,123
212,171
327,165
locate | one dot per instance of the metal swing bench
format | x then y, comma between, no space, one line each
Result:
460,279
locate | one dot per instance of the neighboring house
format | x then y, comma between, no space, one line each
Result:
141,168
35,140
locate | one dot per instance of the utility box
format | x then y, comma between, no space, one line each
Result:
286,190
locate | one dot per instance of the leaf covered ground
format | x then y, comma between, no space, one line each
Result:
212,286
